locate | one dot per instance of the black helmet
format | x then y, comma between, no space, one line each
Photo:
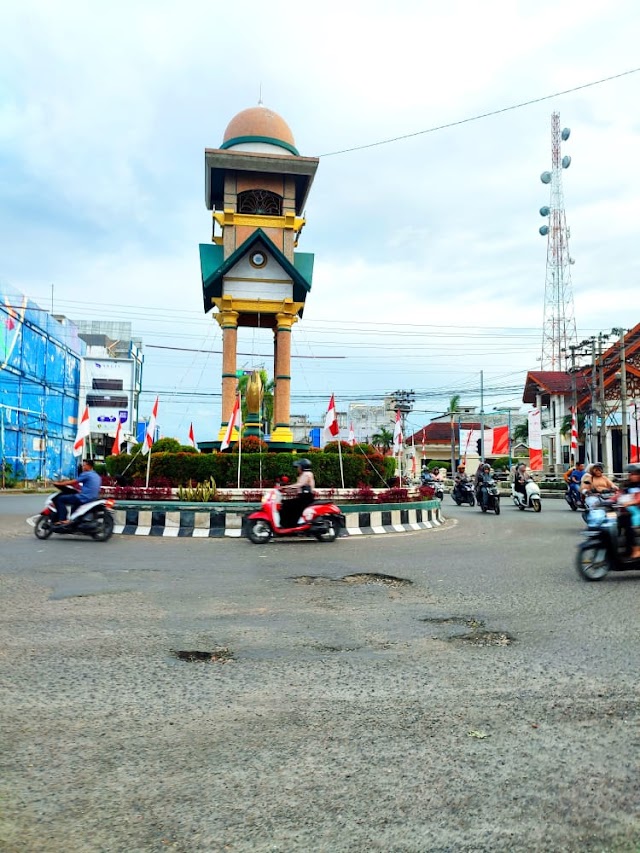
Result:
634,468
302,464
597,465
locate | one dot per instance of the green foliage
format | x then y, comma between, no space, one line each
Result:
442,466
200,493
383,439
180,468
251,444
501,463
345,447
9,476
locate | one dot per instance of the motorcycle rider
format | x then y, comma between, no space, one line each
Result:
460,478
520,480
90,484
595,481
629,515
299,495
575,477
483,477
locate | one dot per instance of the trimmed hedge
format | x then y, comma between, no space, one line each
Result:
180,468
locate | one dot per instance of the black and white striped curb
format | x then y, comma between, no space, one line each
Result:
216,523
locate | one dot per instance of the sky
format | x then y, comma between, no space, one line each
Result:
429,269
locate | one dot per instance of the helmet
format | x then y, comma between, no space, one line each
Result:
461,468
634,468
596,465
486,467
302,464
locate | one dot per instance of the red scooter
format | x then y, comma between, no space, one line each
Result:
322,520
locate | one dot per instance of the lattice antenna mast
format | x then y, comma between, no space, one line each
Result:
559,326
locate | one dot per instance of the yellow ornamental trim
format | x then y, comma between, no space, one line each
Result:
288,222
259,306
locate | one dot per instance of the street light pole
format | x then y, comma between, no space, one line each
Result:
623,397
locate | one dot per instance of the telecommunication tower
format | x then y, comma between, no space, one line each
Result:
559,327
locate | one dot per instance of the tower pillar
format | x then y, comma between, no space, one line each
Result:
282,357
227,318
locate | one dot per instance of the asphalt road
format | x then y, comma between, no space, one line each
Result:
487,700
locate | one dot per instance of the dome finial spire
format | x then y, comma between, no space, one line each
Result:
260,104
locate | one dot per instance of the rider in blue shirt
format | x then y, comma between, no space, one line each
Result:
575,477
90,484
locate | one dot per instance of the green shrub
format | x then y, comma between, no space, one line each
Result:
180,468
200,493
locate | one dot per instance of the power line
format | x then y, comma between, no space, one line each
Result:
483,115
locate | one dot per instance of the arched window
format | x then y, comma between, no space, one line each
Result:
262,202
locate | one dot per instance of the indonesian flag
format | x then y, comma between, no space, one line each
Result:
116,441
634,411
84,430
331,421
192,437
574,434
352,435
535,440
397,434
235,422
147,444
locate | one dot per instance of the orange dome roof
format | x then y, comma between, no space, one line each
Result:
259,124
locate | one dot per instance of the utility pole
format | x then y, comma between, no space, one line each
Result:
623,397
482,416
593,439
603,408
574,400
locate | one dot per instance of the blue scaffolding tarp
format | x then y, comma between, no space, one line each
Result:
39,385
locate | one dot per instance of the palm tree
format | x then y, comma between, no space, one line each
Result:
454,405
268,386
521,433
383,439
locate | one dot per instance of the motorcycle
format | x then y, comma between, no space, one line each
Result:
435,484
574,499
322,520
93,519
531,498
463,493
603,549
489,496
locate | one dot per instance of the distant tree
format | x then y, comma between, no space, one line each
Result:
383,439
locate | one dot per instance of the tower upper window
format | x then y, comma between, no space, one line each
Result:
262,202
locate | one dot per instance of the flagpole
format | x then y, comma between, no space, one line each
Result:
239,438
148,465
340,457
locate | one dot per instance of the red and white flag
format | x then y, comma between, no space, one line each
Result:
535,440
192,437
634,449
147,444
574,435
331,425
500,441
397,434
116,441
84,431
352,435
235,422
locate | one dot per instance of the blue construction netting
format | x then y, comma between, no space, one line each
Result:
39,386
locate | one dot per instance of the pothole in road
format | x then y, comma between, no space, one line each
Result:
220,655
359,578
477,634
